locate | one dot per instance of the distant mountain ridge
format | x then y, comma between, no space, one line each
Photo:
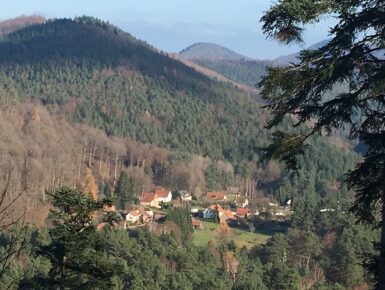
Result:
230,64
293,58
211,51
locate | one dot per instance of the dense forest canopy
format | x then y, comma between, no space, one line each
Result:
91,72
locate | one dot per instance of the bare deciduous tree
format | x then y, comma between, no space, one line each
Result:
12,226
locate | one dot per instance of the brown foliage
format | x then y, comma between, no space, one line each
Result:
230,263
89,186
10,25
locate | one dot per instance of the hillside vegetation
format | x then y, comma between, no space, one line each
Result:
226,62
91,117
96,74
211,51
91,72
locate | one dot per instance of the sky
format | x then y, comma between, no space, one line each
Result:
172,25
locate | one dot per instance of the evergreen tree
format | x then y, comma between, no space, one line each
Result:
354,57
124,190
77,258
182,218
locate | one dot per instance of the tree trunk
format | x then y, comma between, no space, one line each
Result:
116,170
381,273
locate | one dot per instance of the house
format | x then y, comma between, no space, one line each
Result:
242,201
194,210
279,213
217,211
209,213
163,195
145,215
242,212
133,216
185,196
149,199
197,224
216,196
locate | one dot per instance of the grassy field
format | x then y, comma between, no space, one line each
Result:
240,237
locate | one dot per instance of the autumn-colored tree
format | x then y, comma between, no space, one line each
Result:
230,263
223,232
89,186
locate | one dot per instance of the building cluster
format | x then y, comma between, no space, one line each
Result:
222,207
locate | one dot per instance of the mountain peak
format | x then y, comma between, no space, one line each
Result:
212,51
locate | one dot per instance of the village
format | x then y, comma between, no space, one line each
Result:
254,221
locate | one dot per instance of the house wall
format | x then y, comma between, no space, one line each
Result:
165,199
208,214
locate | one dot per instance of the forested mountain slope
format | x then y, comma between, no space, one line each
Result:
204,50
91,72
97,74
226,62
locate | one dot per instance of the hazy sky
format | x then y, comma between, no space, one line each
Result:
172,25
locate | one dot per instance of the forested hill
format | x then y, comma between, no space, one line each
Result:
203,50
97,74
226,62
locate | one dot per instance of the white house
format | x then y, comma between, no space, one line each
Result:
133,216
194,210
163,195
242,201
185,196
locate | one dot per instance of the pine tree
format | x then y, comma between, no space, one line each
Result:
354,58
77,259
124,190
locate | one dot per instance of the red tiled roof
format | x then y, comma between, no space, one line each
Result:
161,192
196,223
147,197
215,195
242,211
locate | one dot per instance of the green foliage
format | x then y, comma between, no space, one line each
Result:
353,57
91,72
182,218
77,261
124,191
96,74
213,178
244,71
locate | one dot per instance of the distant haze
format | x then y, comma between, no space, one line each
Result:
173,25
